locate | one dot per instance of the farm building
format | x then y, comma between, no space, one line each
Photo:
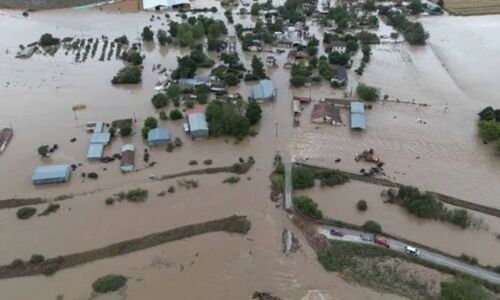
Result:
128,158
358,120
198,126
100,138
326,113
95,151
164,4
5,137
158,136
264,91
51,174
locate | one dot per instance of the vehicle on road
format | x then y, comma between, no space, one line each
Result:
381,241
336,232
412,251
366,237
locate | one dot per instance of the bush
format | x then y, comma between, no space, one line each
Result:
253,112
232,179
468,259
122,40
43,150
193,162
25,212
278,181
362,205
175,114
147,34
207,162
36,259
151,122
331,178
302,178
367,93
372,226
50,269
92,175
137,195
125,130
178,142
128,75
463,290
163,115
171,189
133,57
48,40
159,100
307,207
17,263
109,283
109,201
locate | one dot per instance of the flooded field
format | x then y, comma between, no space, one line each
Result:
37,96
340,203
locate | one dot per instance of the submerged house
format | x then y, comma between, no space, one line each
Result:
97,142
340,76
5,137
358,120
158,136
95,151
197,124
264,91
326,113
339,46
51,174
164,4
128,158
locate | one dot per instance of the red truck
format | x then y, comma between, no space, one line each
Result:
381,241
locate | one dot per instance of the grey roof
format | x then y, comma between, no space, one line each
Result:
340,74
194,81
98,127
357,107
265,89
100,138
358,121
197,121
339,44
159,134
95,151
51,173
152,4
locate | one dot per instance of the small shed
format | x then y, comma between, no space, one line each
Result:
100,138
198,126
358,120
95,151
51,174
158,136
264,91
128,158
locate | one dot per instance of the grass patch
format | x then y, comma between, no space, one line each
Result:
109,283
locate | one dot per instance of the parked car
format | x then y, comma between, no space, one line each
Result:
381,241
412,251
336,232
366,237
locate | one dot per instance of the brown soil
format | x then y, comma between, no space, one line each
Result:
233,224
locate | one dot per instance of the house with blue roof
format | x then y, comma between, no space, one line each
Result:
51,174
358,120
264,91
198,126
158,136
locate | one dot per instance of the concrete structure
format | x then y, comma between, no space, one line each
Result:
340,76
358,120
339,46
326,113
128,158
95,151
198,126
164,4
5,137
51,174
264,91
158,136
100,138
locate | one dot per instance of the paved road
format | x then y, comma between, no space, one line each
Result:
354,236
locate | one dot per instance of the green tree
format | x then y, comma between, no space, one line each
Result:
367,93
161,35
128,75
489,130
109,283
147,34
254,10
302,178
258,67
337,58
48,40
43,150
175,114
159,100
362,205
372,226
132,57
122,40
352,45
151,122
253,112
125,130
415,7
307,207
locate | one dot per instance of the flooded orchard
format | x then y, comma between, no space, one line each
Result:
38,95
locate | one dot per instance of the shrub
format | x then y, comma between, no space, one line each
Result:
362,205
468,259
147,34
159,100
92,175
302,178
307,207
232,179
278,181
133,57
372,226
122,40
163,115
17,263
463,290
207,162
178,142
170,147
171,189
331,178
48,40
193,162
137,195
36,259
175,114
367,93
151,122
109,283
128,75
43,150
125,130
25,212
50,268
109,201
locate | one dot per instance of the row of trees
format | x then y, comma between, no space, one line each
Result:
188,34
187,65
413,32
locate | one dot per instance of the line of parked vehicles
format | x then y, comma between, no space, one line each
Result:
373,238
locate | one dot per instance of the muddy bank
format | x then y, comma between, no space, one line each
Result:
44,4
233,224
444,198
238,168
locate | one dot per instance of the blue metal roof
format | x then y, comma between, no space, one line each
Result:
265,89
357,107
100,138
95,151
51,173
197,121
159,134
358,121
